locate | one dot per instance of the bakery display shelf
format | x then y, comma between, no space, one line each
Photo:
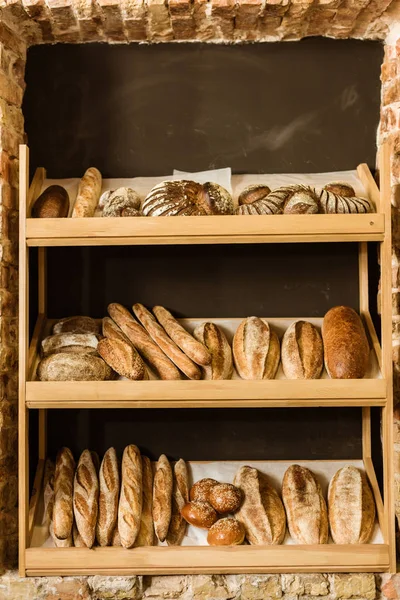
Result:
230,229
370,391
188,558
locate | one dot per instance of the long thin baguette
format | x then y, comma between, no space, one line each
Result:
88,194
180,497
182,338
86,498
139,337
146,533
130,502
63,487
162,497
108,498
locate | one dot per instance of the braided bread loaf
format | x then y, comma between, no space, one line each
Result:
187,198
292,199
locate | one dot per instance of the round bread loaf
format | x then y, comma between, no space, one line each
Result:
200,491
225,498
199,514
187,198
302,351
76,325
253,193
123,202
226,532
340,188
64,366
52,203
292,199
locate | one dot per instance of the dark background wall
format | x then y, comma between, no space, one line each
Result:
143,110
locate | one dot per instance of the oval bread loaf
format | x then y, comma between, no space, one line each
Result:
63,493
88,194
162,497
262,513
86,498
302,351
256,349
78,324
305,506
109,484
53,343
214,340
346,348
67,366
351,507
131,498
122,357
52,203
145,536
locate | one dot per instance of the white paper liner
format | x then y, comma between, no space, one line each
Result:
225,471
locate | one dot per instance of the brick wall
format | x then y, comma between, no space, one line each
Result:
27,22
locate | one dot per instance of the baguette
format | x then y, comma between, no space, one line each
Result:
146,532
214,339
346,347
86,498
302,351
88,194
351,507
76,325
123,358
60,542
131,498
261,513
161,338
53,343
108,498
256,349
139,337
162,497
71,366
305,506
182,338
63,487
180,497
112,331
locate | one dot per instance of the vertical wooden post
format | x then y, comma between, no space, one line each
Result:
42,305
364,309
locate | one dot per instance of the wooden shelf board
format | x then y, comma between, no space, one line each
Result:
99,231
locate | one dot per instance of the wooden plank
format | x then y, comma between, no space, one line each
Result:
370,471
23,465
207,559
35,189
373,337
42,281
36,491
370,185
34,347
363,277
366,432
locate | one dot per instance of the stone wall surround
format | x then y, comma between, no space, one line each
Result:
27,22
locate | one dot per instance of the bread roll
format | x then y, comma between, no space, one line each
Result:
162,497
180,497
53,343
305,506
261,513
123,202
346,348
186,342
139,337
77,324
60,542
199,514
160,337
256,349
253,193
351,507
88,194
302,351
146,532
52,203
225,498
67,366
226,532
201,489
108,498
122,357
131,498
63,488
86,498
218,346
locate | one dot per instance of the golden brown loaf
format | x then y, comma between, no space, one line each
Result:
253,193
131,498
162,339
256,349
139,337
86,498
69,366
180,497
305,506
302,351
182,338
79,324
214,339
108,498
53,343
111,330
145,536
346,348
63,489
52,203
226,532
187,198
200,514
340,188
88,194
162,497
225,498
201,489
351,507
262,513
123,358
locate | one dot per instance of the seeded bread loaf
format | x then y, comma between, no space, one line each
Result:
123,358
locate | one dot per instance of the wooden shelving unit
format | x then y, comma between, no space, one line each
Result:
374,390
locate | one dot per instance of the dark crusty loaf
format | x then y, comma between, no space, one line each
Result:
162,497
256,349
346,348
108,498
86,498
52,203
302,351
341,188
63,489
78,324
66,366
253,193
131,498
123,358
215,341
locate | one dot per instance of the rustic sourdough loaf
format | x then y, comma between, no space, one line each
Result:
77,324
63,489
53,343
256,349
52,203
69,366
214,340
180,497
131,498
86,498
187,198
108,498
302,351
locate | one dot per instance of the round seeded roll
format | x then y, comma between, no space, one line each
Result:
225,498
226,532
199,514
201,489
